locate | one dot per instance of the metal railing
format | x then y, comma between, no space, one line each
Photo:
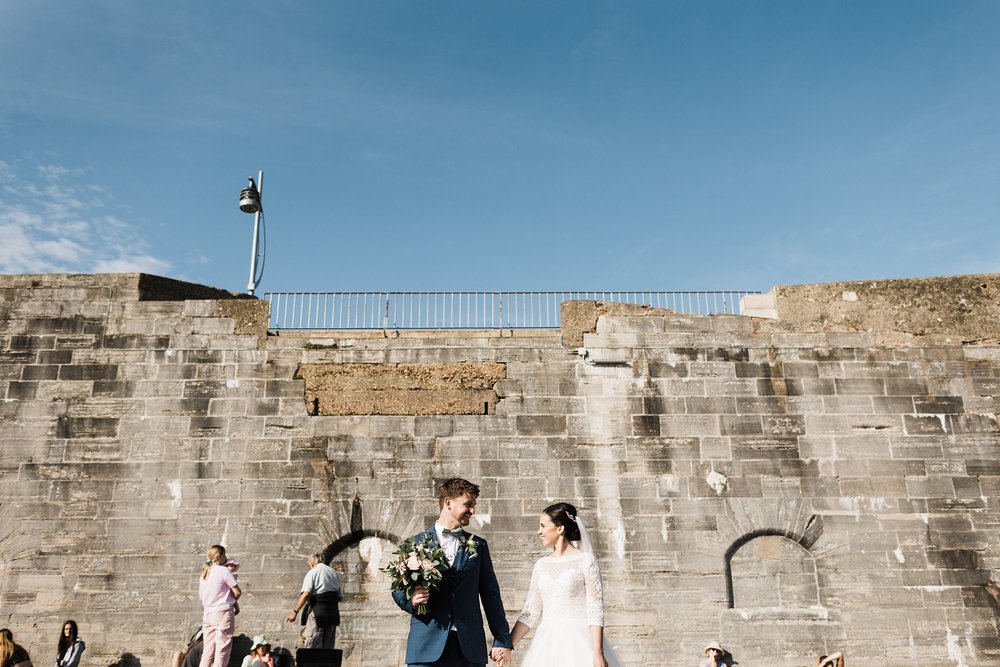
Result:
392,311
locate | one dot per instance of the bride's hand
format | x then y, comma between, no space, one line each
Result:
599,660
500,655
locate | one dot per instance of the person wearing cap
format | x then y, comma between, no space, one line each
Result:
832,660
321,590
260,653
716,656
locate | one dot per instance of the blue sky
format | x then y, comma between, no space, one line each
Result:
477,145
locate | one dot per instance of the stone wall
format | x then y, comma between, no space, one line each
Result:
782,488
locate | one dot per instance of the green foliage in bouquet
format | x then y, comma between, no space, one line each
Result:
417,563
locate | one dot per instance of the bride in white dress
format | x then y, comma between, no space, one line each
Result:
566,593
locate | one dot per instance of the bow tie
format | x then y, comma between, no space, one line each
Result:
457,532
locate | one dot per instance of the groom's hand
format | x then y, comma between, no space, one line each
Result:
421,594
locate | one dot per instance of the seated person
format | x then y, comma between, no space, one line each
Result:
832,660
70,646
190,655
716,656
260,654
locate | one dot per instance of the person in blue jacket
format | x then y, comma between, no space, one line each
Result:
451,633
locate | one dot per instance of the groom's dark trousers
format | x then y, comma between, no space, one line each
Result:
452,656
454,606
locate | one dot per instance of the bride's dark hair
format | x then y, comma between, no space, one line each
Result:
564,514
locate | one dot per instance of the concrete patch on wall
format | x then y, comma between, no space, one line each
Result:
401,389
580,317
250,316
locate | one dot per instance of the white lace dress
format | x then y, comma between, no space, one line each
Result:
568,589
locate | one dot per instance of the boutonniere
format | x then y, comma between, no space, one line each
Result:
468,543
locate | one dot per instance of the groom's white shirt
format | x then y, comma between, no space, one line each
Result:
449,543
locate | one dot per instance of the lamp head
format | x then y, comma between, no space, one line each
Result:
250,198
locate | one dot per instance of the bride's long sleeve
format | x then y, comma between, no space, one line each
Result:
595,592
532,610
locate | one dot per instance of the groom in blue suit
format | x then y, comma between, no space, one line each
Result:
451,634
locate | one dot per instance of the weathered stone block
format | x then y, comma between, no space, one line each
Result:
745,447
688,425
711,405
644,425
541,425
760,405
32,372
937,404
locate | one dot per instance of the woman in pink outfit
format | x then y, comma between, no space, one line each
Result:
218,591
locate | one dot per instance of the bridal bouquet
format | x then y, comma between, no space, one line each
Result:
417,563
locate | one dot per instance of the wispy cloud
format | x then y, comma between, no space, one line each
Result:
55,222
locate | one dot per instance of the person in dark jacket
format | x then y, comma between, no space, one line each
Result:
321,590
11,654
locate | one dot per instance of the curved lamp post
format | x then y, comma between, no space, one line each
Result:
250,202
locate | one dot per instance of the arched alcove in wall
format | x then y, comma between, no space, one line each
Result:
769,568
372,628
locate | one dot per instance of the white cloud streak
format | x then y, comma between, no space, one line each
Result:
55,222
